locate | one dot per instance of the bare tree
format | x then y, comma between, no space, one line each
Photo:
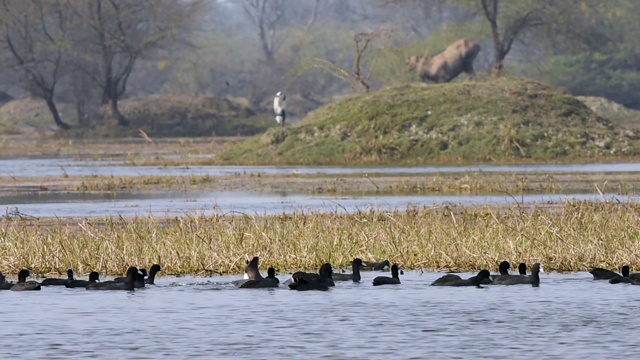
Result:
35,34
120,32
267,17
361,42
313,17
82,91
530,16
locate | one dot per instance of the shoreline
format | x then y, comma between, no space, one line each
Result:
565,236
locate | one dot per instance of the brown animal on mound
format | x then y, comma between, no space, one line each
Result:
445,66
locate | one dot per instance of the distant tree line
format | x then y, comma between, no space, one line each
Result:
93,53
88,47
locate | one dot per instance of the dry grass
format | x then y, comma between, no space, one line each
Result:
473,183
572,236
135,151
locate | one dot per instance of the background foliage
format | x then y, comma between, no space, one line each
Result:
246,50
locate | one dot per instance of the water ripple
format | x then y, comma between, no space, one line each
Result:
568,316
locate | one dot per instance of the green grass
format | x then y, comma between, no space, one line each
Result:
565,237
501,120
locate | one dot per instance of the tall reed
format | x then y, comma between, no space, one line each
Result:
569,237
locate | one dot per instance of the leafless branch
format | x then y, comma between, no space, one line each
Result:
362,41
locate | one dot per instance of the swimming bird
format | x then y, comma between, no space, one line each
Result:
307,281
251,272
355,276
271,281
447,278
504,271
522,269
93,277
155,268
279,106
455,280
533,279
128,284
503,268
58,281
325,269
621,280
603,274
23,284
385,280
4,284
634,276
626,278
375,266
142,271
139,280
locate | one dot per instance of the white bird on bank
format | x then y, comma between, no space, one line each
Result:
279,105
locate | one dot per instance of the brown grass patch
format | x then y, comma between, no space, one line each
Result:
574,236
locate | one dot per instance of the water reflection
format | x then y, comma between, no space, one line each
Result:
568,316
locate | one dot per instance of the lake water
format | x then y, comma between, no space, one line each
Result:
176,204
568,317
32,202
60,167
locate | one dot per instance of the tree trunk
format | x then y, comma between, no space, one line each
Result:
56,116
264,43
107,88
511,30
500,55
490,8
115,112
80,110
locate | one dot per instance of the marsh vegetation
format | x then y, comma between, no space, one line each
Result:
566,236
571,236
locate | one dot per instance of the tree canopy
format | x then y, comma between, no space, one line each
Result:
94,53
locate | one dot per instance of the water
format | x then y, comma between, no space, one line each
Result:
176,203
569,316
60,167
30,201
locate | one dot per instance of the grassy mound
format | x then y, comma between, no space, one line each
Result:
504,120
180,116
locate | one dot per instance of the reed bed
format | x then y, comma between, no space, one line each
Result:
569,237
453,183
